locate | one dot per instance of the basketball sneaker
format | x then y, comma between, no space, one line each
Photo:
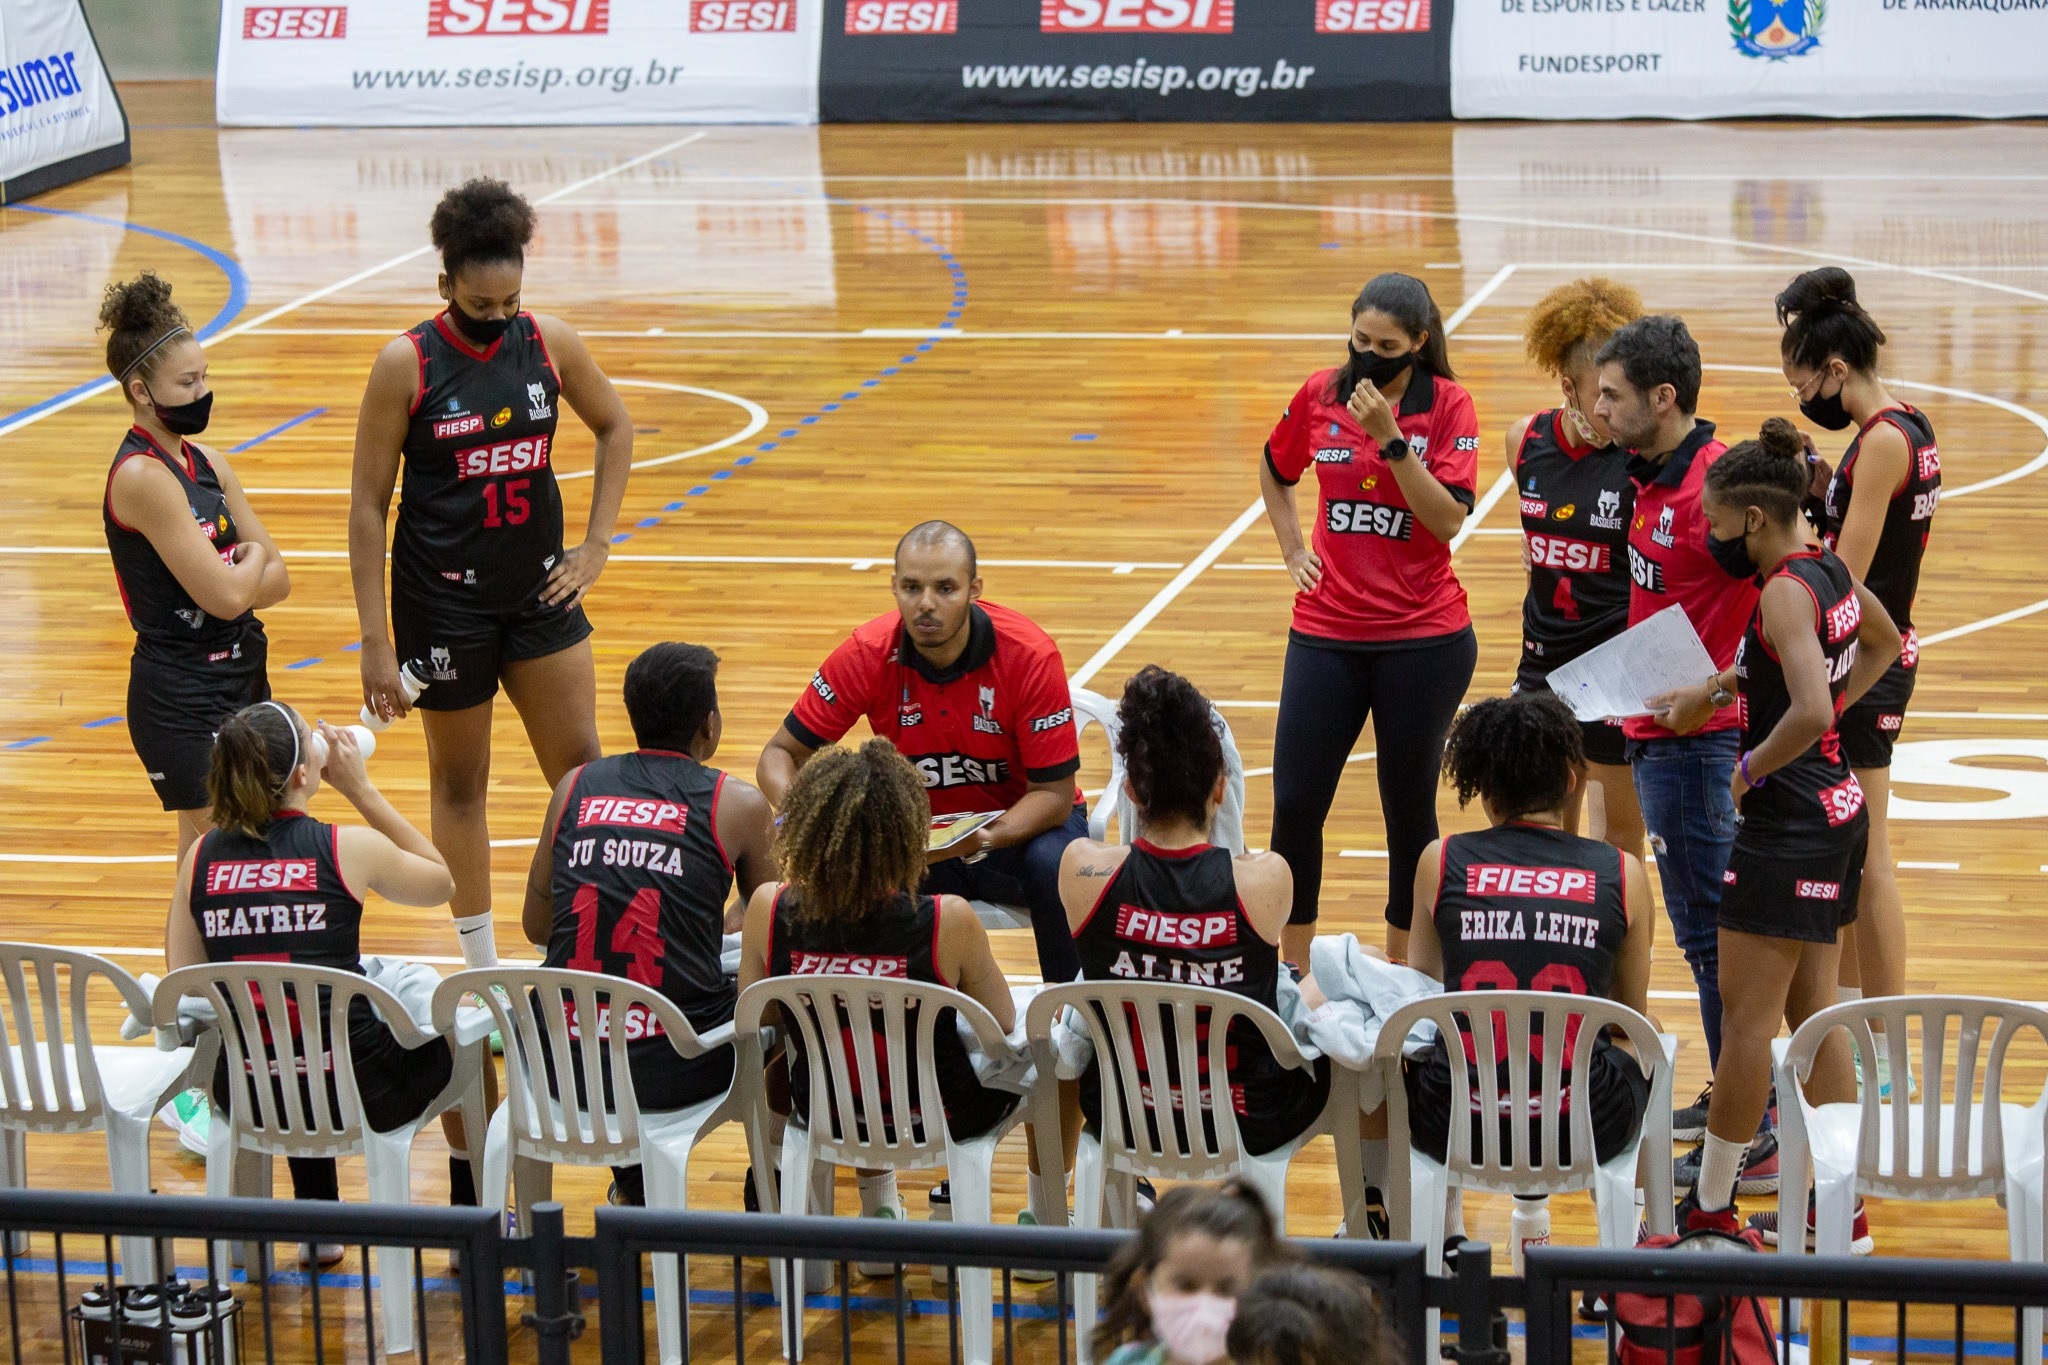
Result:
1759,1168
1690,1123
886,1269
191,1116
1692,1218
1861,1243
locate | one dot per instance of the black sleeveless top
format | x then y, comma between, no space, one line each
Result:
1175,915
1813,801
282,898
641,882
1575,509
898,941
1894,576
480,519
1523,907
169,626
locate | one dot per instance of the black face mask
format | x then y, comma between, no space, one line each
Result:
1379,370
1732,555
1826,413
485,332
186,419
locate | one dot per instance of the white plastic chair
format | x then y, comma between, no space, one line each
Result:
1420,1187
1951,1143
538,1126
57,1080
303,1120
1143,1131
861,1113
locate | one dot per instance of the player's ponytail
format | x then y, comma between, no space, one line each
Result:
1822,318
139,318
255,753
855,827
1770,473
1170,748
1518,752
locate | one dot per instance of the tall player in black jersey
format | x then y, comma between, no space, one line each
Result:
1816,643
1171,906
1576,497
637,858
191,558
1527,905
262,849
482,589
1876,514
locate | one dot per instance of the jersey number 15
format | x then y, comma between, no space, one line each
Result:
516,507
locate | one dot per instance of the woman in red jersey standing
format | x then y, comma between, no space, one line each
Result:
1380,626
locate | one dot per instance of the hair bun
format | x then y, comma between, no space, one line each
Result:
1827,289
140,305
1781,440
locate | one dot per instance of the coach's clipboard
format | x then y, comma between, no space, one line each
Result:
948,830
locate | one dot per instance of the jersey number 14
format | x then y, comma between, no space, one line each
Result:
637,935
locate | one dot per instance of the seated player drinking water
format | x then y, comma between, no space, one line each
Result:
637,857
266,770
975,696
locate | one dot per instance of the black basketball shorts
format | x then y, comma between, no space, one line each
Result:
1871,727
176,705
1808,896
462,650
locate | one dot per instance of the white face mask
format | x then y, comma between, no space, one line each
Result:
1192,1327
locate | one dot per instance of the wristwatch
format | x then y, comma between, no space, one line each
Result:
1720,696
1395,450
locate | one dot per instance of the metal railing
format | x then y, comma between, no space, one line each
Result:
63,1243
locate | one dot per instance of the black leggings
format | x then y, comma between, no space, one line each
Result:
1412,693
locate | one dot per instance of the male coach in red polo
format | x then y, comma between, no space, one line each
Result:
976,697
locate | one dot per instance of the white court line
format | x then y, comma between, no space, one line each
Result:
103,385
1930,867
1365,757
903,334
1115,566
88,858
1180,581
1362,853
1987,623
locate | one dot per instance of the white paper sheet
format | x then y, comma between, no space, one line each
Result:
1617,679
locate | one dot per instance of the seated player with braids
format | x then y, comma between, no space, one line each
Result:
1487,891
1171,906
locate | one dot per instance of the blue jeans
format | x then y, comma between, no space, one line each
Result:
1682,785
1026,874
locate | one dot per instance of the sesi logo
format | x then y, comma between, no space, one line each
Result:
1136,16
512,18
295,21
1817,891
902,16
1573,556
743,16
1372,16
506,457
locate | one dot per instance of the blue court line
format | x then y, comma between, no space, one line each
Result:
276,430
27,743
237,299
102,724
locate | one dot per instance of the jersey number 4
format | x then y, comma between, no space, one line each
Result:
516,507
1562,599
637,935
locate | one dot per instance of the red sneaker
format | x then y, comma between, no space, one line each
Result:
1692,1218
1861,1243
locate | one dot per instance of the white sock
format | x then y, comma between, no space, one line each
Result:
1880,1040
877,1192
1034,1187
1844,994
1720,1164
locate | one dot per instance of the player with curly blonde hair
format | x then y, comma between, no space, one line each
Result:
1572,481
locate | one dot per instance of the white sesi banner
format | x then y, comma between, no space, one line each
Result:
59,116
1724,58
482,62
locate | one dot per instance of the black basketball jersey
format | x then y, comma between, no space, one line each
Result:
1175,915
1894,575
641,883
282,898
898,941
1814,799
1576,503
480,517
168,623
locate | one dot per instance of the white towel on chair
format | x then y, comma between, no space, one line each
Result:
1016,1073
1362,992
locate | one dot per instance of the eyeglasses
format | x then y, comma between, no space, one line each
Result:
1798,391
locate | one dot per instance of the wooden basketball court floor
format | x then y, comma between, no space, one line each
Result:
1070,340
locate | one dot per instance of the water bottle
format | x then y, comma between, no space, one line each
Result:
1528,1226
366,740
409,677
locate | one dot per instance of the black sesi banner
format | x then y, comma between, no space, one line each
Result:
1121,60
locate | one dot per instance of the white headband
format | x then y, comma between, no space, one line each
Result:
293,723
